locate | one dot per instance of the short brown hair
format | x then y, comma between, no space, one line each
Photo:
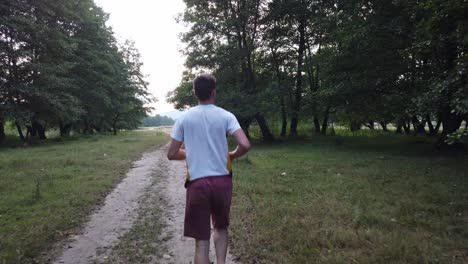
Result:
203,85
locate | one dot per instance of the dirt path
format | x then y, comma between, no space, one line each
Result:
115,217
120,211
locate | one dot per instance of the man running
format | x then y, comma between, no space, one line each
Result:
203,130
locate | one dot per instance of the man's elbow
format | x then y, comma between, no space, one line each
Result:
247,146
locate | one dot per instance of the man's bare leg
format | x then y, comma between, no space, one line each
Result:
202,250
220,237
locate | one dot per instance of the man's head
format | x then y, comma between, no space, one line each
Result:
204,86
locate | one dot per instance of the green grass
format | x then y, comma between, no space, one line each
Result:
48,189
368,198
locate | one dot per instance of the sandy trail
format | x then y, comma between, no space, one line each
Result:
115,217
120,210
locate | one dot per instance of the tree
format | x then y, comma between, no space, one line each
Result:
440,49
223,39
158,120
358,63
60,66
129,91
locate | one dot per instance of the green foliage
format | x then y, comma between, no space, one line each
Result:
459,137
349,62
61,67
155,121
223,39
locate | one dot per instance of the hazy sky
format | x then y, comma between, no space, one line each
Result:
151,24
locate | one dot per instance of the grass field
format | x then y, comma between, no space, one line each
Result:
47,190
367,198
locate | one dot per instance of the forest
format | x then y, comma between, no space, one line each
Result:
377,64
62,68
157,120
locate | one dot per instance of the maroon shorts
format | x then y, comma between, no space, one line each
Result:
210,196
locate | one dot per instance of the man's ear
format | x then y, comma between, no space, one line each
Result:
213,93
193,93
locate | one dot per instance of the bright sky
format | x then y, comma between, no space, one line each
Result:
151,24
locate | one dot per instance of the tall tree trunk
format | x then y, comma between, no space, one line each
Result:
434,130
316,125
20,132
355,125
30,132
86,129
325,122
246,62
284,117
437,127
62,130
399,129
65,129
400,126
430,125
2,130
293,126
451,122
114,124
250,87
298,95
37,127
245,124
407,127
266,133
384,126
419,126
284,114
313,84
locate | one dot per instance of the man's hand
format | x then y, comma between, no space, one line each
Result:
243,145
175,152
232,154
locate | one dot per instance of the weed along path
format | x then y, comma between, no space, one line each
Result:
155,187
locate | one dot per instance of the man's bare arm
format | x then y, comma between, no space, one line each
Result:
243,144
175,152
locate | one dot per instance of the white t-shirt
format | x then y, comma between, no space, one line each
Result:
204,129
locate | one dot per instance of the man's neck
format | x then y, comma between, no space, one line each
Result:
207,102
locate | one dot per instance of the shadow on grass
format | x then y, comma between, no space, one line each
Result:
376,141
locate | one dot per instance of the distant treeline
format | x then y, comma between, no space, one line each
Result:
354,63
61,67
155,121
